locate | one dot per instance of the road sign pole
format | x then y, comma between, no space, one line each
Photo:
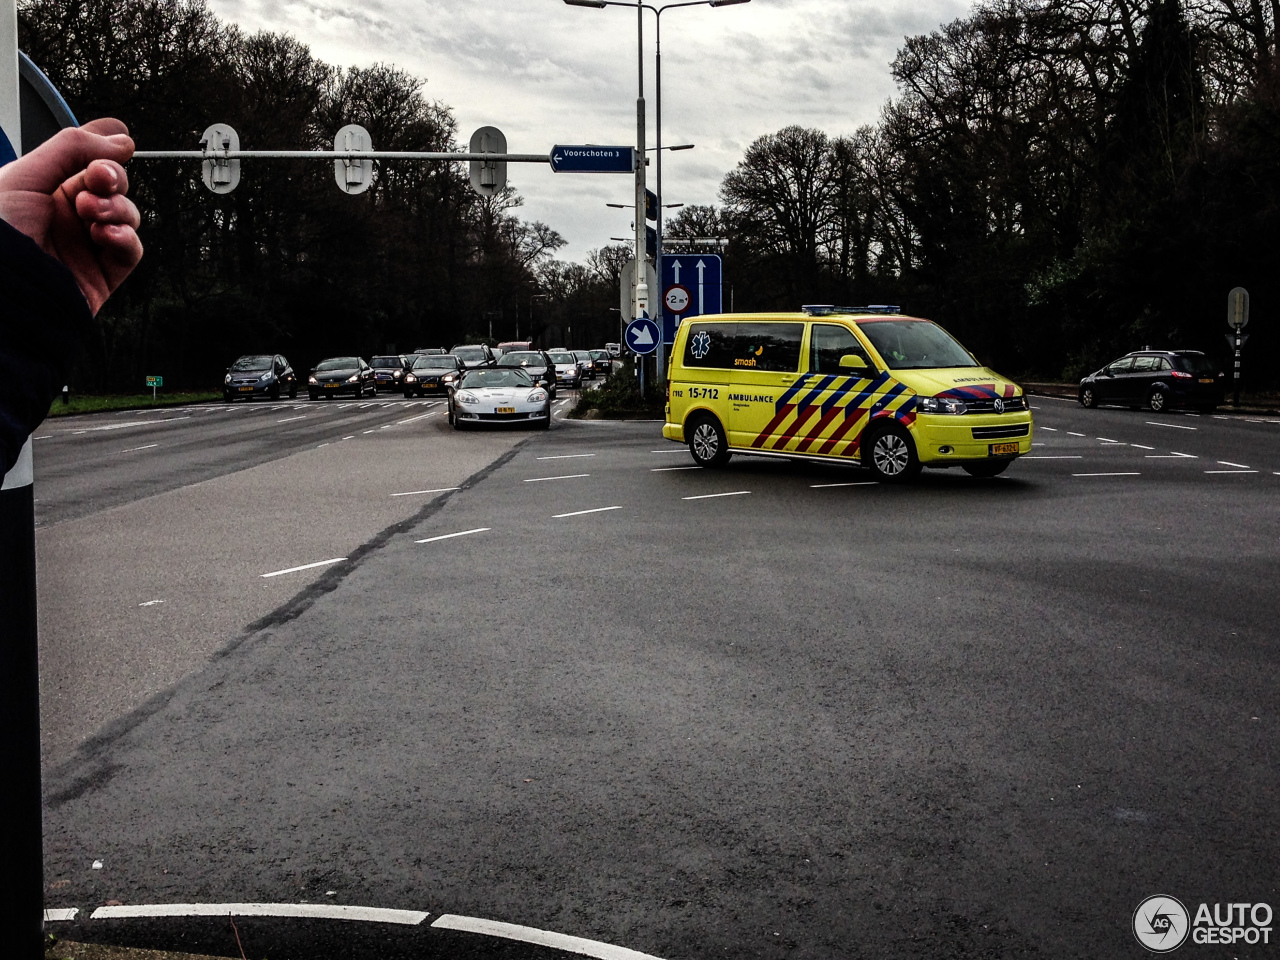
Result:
641,297
1237,320
1235,398
660,362
21,840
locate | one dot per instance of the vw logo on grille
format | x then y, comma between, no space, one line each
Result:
998,406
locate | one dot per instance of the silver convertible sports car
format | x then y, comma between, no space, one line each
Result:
494,395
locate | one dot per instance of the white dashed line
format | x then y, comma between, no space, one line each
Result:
856,483
579,513
1175,426
676,450
666,469
450,536
1050,457
319,445
709,496
1072,433
320,911
1172,456
131,423
1238,466
67,913
352,437
569,476
420,416
1231,471
1221,417
568,456
1050,429
543,938
150,603
305,566
1140,446
415,493
47,436
1108,440
368,431
146,446
291,419
1106,474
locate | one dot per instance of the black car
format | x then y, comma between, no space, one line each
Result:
389,370
432,373
259,375
536,364
1158,379
474,355
342,375
603,362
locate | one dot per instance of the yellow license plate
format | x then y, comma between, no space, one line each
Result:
246,389
506,409
1206,379
1003,449
332,386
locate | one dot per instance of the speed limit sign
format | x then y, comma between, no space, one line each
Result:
677,298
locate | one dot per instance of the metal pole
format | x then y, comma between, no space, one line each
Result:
661,358
641,302
21,839
1235,398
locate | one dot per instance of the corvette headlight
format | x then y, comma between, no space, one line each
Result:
940,405
312,380
537,396
353,378
467,397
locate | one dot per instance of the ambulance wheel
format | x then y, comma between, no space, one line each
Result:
890,455
707,442
991,468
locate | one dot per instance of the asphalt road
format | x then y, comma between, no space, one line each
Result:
770,711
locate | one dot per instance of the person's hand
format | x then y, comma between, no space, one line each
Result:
68,195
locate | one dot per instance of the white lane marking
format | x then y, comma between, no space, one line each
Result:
1191,414
1231,471
1045,396
305,566
386,426
544,938
1106,474
414,493
1175,426
1048,457
352,437
319,445
145,446
680,449
450,536
1255,421
1050,429
418,417
47,436
1172,456
132,423
150,603
368,431
568,476
1141,447
1072,433
1034,407
291,419
709,496
67,913
1238,466
579,513
1221,417
859,483
321,911
1108,440
665,469
568,456
343,406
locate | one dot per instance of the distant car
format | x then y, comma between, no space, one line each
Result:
508,346
389,371
603,362
1158,379
342,375
588,365
430,351
568,370
259,375
432,374
501,395
613,349
535,363
474,355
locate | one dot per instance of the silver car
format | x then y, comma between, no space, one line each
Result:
497,395
568,370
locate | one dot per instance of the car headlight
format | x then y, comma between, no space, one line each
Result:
449,377
266,376
537,396
410,378
353,378
398,374
467,397
940,405
312,380
227,378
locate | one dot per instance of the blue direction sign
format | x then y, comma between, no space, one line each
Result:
586,158
690,287
642,335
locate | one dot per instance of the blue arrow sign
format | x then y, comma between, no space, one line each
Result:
697,277
642,335
591,159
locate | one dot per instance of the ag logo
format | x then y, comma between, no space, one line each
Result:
1161,923
701,344
998,406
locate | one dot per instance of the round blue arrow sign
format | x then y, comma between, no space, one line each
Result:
642,335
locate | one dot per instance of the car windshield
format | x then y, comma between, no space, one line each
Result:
386,362
582,355
599,355
1196,363
435,363
506,377
250,364
915,344
562,358
469,353
522,360
339,363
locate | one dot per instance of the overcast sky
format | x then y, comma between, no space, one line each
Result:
546,73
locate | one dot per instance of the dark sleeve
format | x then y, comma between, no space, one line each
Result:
44,323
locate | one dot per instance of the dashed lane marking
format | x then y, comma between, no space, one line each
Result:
1238,466
131,423
854,483
150,603
305,566
66,913
145,446
1140,446
352,437
568,456
291,419
542,938
1231,471
319,445
1106,474
450,536
579,513
1049,457
318,911
666,469
415,493
1072,433
421,416
1050,429
680,449
47,436
1172,456
709,496
1174,426
1059,399
568,476
1108,440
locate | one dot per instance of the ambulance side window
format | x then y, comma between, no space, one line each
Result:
828,344
710,345
773,347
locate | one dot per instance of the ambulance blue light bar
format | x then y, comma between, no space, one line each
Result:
826,309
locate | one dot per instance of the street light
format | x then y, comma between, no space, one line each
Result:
641,296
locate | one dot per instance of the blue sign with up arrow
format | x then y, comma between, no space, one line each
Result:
691,285
642,335
586,158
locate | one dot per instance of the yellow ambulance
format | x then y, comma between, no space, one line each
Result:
863,385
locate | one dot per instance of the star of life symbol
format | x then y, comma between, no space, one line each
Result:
1161,923
701,345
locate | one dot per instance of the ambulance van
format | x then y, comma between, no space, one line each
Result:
861,385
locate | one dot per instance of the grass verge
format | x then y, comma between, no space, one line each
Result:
88,403
618,398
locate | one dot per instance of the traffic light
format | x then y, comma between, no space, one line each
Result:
650,205
651,241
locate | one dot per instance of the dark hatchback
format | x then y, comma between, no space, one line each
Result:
342,375
474,356
535,363
389,371
259,375
432,374
1158,379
